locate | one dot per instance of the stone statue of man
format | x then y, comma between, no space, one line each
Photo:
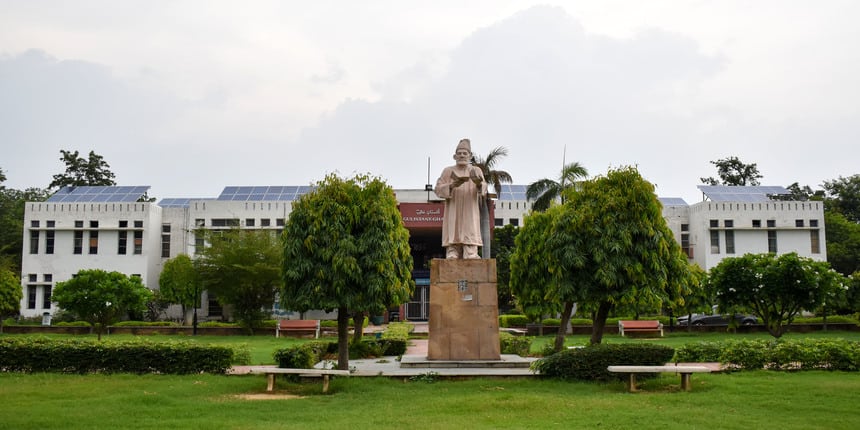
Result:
461,185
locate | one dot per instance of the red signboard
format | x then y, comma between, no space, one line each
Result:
417,215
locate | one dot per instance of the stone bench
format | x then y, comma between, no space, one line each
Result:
637,326
298,326
684,371
270,373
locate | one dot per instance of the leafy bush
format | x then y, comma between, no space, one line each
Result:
800,354
551,322
303,356
89,356
835,319
217,324
144,324
590,363
513,320
580,321
519,345
699,352
72,324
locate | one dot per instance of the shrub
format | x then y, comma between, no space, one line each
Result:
746,354
89,356
144,324
551,322
834,319
699,352
513,320
303,356
800,354
72,324
590,363
217,324
519,345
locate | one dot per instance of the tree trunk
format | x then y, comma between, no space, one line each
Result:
342,339
358,321
562,327
600,322
485,229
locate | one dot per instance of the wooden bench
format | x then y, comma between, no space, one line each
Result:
685,372
270,373
637,326
298,326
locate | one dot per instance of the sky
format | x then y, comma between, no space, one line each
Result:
192,96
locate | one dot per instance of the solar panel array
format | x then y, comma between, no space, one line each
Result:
98,194
730,193
181,202
672,201
276,193
513,192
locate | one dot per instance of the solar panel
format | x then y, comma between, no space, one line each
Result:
732,193
672,201
100,194
263,193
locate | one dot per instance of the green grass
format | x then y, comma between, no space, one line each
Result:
754,400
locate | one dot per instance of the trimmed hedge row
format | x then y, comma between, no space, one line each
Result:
88,356
392,342
777,354
589,363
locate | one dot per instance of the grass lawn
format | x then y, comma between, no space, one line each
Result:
744,400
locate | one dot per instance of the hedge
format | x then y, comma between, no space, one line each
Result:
590,363
393,341
519,345
138,356
776,354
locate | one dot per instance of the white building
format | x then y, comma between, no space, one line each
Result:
107,228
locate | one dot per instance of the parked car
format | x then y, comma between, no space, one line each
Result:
717,319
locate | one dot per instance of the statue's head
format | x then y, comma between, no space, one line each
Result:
463,153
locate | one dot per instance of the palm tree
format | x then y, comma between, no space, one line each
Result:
546,191
495,177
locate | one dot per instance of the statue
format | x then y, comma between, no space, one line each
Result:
461,185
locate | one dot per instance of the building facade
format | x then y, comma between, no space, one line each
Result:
107,228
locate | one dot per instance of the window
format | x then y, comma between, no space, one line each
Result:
730,242
165,228
123,224
31,297
756,223
48,277
138,242
715,242
498,222
685,227
199,242
94,224
798,223
249,222
79,224
51,223
685,243
34,224
94,242
32,277
34,241
771,223
79,242
122,244
815,241
225,222
49,242
46,297
199,222
813,223
279,222
715,223
729,223
514,222
265,222
165,246
771,241
138,224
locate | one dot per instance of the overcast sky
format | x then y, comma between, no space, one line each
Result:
192,96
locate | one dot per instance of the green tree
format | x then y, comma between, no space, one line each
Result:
82,171
546,191
179,283
12,204
843,196
733,171
10,294
100,297
243,269
496,178
346,249
774,288
610,245
503,247
534,282
843,242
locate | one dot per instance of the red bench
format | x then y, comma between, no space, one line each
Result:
640,327
298,326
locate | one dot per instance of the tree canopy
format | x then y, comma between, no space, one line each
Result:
179,283
733,171
843,243
546,191
242,268
774,288
10,294
92,170
843,196
345,248
503,247
12,221
497,178
100,297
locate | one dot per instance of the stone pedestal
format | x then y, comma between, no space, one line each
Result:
464,310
